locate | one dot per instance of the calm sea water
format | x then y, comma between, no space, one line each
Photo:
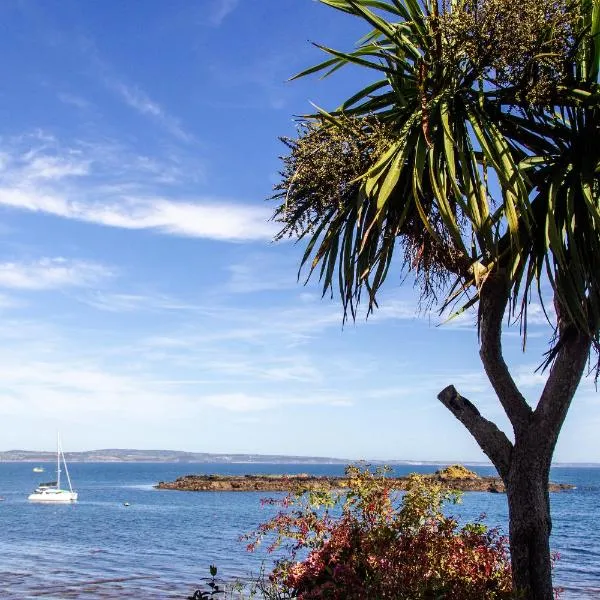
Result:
161,545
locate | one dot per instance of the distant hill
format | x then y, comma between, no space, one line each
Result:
176,456
162,456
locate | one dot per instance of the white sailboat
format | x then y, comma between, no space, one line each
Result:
51,492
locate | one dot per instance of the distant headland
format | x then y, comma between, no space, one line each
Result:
117,455
164,456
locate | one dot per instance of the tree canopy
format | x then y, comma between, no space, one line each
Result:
466,94
475,153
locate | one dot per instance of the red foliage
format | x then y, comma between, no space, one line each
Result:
374,549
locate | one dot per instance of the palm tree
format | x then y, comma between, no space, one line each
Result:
475,153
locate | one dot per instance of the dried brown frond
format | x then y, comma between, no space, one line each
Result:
435,263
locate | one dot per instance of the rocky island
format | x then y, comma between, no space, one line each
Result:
455,477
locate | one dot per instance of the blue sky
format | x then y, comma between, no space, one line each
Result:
143,302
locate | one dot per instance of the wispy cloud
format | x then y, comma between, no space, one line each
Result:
45,373
46,385
54,167
203,218
130,93
131,302
266,75
8,302
220,10
74,100
51,273
245,279
139,100
297,367
74,183
262,271
242,402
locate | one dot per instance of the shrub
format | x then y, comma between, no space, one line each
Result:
368,542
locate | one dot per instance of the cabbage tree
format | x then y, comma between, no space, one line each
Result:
474,157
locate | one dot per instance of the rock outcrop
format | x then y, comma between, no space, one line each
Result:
455,477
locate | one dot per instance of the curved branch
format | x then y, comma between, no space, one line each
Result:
492,440
493,299
565,375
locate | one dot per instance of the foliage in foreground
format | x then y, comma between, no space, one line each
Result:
367,542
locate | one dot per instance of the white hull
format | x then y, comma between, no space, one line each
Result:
52,492
53,495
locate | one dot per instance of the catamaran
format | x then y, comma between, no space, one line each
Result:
51,492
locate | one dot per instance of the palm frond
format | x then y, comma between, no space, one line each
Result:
420,141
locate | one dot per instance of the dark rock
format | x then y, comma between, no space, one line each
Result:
466,482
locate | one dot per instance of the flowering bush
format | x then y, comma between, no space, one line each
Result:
368,542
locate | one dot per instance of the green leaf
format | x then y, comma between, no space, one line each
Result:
323,65
369,16
355,58
365,92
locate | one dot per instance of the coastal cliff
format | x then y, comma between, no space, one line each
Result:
455,477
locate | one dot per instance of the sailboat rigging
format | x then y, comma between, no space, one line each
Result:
51,491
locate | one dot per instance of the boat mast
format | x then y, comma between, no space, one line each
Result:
66,470
58,461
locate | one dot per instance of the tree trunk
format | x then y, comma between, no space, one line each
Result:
529,521
525,465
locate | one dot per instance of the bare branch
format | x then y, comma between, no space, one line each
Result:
493,442
565,375
493,299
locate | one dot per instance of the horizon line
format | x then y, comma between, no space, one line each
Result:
291,456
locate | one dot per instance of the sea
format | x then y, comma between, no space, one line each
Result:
161,544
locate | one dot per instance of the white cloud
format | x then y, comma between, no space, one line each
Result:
51,273
242,402
527,377
46,372
75,183
206,218
392,309
284,325
537,316
220,10
49,373
48,387
54,167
